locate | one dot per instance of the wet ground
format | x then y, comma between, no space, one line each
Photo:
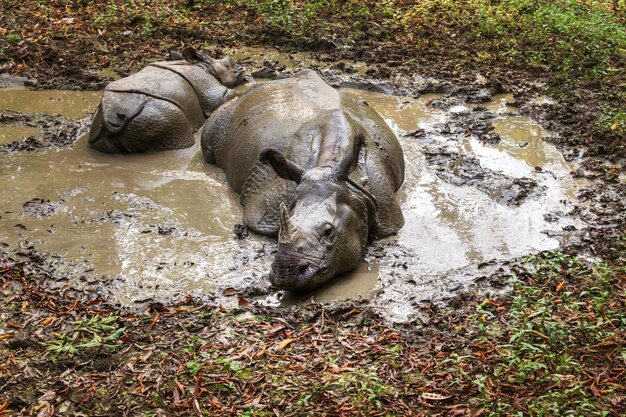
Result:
483,187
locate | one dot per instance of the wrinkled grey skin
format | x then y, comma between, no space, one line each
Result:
160,107
313,166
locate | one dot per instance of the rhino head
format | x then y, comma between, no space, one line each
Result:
227,71
325,230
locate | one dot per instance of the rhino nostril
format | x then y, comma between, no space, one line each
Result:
302,270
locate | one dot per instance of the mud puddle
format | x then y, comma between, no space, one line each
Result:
11,132
495,202
71,104
34,119
155,226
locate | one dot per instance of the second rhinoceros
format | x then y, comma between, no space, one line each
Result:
315,167
160,107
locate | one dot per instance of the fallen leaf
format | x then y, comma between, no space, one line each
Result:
261,352
605,344
47,321
154,320
216,402
196,407
6,336
284,344
230,291
476,413
243,302
614,127
180,387
559,287
434,397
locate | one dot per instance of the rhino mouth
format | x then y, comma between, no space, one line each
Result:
295,273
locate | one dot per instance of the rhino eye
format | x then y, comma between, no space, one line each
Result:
327,233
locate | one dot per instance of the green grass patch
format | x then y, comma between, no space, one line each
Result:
88,333
562,319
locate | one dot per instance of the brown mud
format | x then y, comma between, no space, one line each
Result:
459,131
159,226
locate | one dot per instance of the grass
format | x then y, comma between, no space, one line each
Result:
572,37
94,332
611,123
574,41
560,317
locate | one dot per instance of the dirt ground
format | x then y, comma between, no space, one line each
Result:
65,351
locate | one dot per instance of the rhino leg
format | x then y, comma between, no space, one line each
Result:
130,122
261,195
389,218
160,126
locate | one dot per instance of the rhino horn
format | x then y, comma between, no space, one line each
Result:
287,229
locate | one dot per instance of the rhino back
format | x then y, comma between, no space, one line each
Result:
272,114
209,91
166,85
310,123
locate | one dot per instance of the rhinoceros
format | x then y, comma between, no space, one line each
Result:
313,166
160,107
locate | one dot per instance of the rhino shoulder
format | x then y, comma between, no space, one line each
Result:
215,132
261,195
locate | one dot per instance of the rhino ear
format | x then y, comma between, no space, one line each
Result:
191,55
175,56
349,161
282,166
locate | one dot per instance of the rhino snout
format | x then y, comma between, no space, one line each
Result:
299,277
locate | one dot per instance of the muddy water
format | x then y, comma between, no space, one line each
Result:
72,104
155,224
501,103
451,229
521,150
159,225
10,133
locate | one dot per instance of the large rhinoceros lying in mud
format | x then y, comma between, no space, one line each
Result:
314,166
160,107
